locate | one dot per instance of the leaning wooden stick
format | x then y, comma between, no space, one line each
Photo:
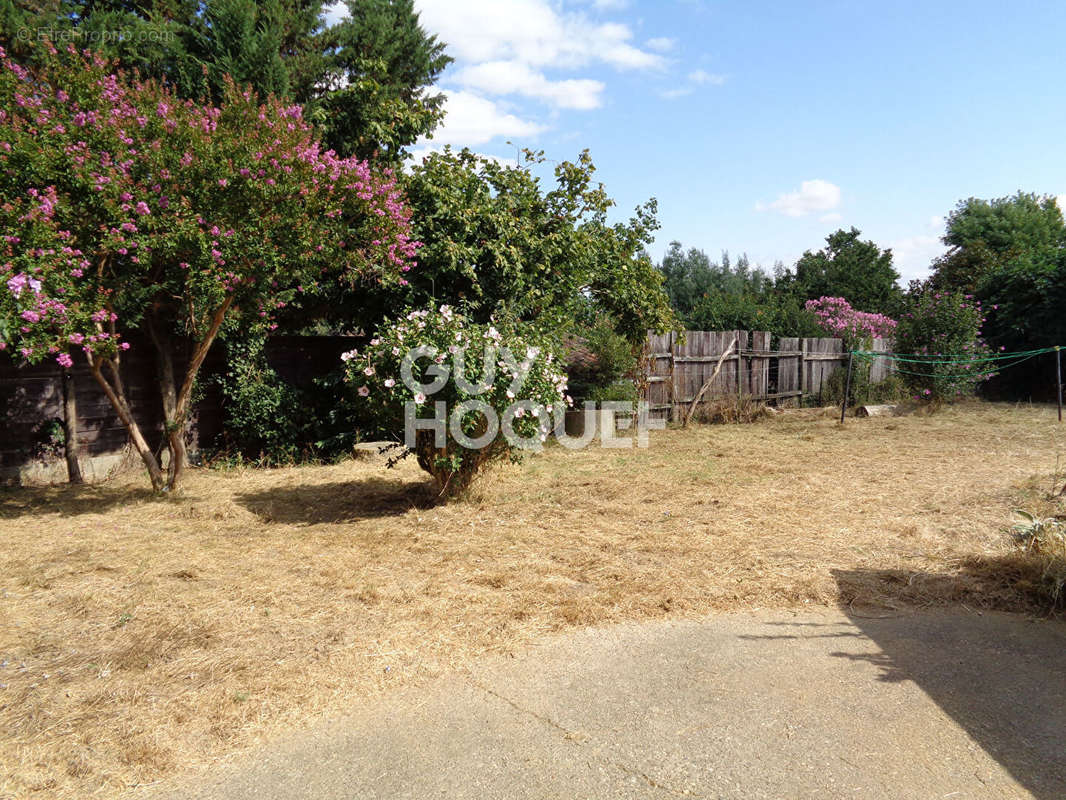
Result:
707,385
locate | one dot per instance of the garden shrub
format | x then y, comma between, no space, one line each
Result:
599,361
452,365
265,419
623,391
942,329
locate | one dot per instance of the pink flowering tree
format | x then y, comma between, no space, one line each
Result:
857,328
125,208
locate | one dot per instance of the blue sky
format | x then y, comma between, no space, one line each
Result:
762,127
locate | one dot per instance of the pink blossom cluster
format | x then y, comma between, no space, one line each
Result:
836,317
169,199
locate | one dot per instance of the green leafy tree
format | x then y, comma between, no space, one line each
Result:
496,242
730,295
192,45
779,313
1010,254
687,277
985,236
848,267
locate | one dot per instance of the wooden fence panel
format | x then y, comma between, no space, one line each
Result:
881,368
788,373
678,367
822,357
30,397
759,364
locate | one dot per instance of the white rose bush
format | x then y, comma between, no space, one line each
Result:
459,394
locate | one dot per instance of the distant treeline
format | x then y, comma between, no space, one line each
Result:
1008,253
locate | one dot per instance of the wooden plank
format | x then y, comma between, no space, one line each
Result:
800,366
788,369
875,411
760,369
707,383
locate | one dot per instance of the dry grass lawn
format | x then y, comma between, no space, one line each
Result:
140,636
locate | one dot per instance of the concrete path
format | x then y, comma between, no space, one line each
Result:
820,704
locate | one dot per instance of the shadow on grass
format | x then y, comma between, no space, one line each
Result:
69,501
1014,582
346,501
1001,677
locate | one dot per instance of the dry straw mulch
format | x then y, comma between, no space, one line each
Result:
142,636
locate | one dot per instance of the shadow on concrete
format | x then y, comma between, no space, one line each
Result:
1001,677
345,501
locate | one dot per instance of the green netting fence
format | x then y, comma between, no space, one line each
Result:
970,365
992,362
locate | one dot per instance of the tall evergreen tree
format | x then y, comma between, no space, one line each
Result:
364,81
376,100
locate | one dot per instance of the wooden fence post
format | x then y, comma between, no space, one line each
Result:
847,389
673,376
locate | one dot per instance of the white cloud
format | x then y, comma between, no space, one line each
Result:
532,32
815,195
913,255
832,217
673,94
503,48
472,120
700,76
661,44
695,78
507,77
1061,200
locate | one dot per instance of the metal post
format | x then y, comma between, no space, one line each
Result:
1058,377
847,389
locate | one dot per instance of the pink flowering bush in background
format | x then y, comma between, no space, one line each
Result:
941,331
125,208
857,328
454,343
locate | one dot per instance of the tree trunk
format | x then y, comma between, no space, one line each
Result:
70,428
176,432
173,428
117,395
